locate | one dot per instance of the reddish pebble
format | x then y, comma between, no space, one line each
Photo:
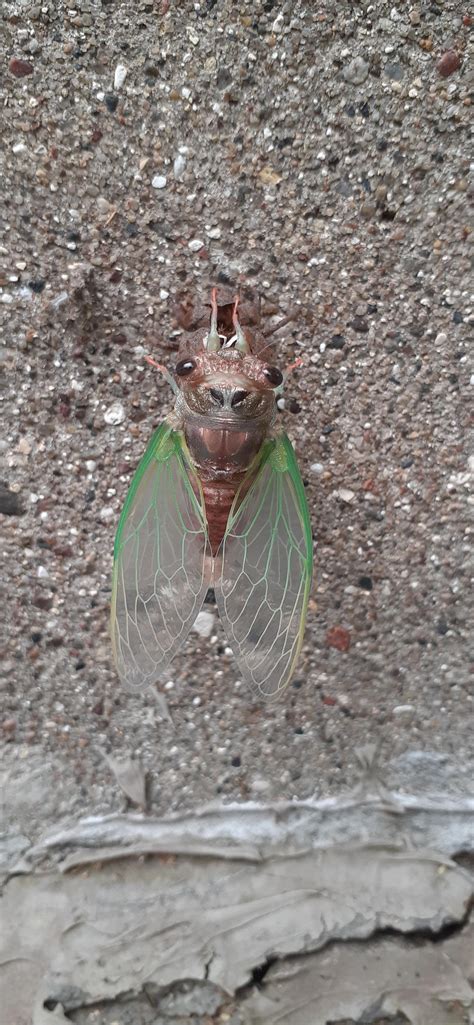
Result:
338,637
328,700
467,20
20,68
449,62
9,725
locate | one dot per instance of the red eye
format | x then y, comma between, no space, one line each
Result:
274,375
185,367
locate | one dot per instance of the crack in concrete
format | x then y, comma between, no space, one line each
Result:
414,937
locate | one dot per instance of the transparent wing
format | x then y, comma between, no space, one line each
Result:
264,577
161,561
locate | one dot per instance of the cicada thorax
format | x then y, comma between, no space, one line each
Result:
226,399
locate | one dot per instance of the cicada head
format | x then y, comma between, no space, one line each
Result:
219,376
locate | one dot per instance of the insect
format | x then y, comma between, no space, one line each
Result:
217,502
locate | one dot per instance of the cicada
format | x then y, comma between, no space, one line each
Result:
217,502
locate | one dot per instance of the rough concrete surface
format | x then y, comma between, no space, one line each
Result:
241,899
319,153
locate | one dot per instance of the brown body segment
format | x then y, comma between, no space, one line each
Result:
222,459
224,443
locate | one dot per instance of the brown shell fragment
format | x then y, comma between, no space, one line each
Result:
448,63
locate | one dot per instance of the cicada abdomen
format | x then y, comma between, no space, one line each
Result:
217,501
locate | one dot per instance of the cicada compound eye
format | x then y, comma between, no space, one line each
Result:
185,367
274,375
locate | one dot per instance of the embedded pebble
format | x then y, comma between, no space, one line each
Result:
345,494
357,71
179,166
107,514
120,75
111,102
448,63
115,414
259,786
159,181
195,245
204,624
20,68
338,637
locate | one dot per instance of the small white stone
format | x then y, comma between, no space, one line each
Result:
403,709
164,294
91,465
345,494
441,339
42,573
214,233
179,166
204,624
259,786
195,245
159,181
107,514
316,467
120,76
115,414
